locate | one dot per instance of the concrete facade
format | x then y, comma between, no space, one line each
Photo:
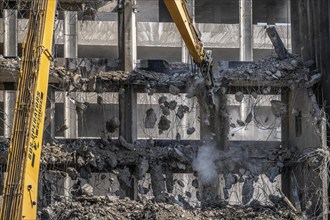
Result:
136,35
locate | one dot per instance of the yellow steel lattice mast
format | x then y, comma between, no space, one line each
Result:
21,184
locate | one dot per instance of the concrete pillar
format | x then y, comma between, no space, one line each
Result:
128,114
9,106
127,62
70,117
157,181
127,34
324,171
70,114
295,27
70,34
184,51
10,33
49,133
246,30
70,51
304,30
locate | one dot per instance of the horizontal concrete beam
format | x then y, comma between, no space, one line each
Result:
71,5
158,34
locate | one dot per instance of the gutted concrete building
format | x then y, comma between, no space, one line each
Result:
131,136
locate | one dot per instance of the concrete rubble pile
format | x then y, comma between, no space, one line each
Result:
292,70
110,207
10,64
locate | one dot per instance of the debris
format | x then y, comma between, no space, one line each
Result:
143,168
239,96
157,182
182,109
278,74
111,207
73,173
278,108
313,80
125,178
247,191
195,184
87,189
62,128
162,99
80,106
174,90
191,130
112,125
180,183
126,145
295,192
280,49
165,110
172,105
180,112
240,122
178,137
150,119
248,118
180,156
254,95
99,100
164,124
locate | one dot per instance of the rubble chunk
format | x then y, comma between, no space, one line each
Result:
247,191
180,183
73,173
87,189
125,144
150,119
249,118
174,90
195,183
165,110
162,99
191,130
240,122
278,108
112,125
172,105
164,124
239,96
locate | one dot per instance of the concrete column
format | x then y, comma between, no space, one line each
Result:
295,26
304,30
70,117
127,61
184,51
128,114
70,34
157,181
246,30
10,33
127,34
9,106
324,171
70,51
49,133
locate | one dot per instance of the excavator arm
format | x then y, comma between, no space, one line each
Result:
191,37
21,184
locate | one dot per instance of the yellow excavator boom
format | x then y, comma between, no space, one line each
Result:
21,184
191,37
